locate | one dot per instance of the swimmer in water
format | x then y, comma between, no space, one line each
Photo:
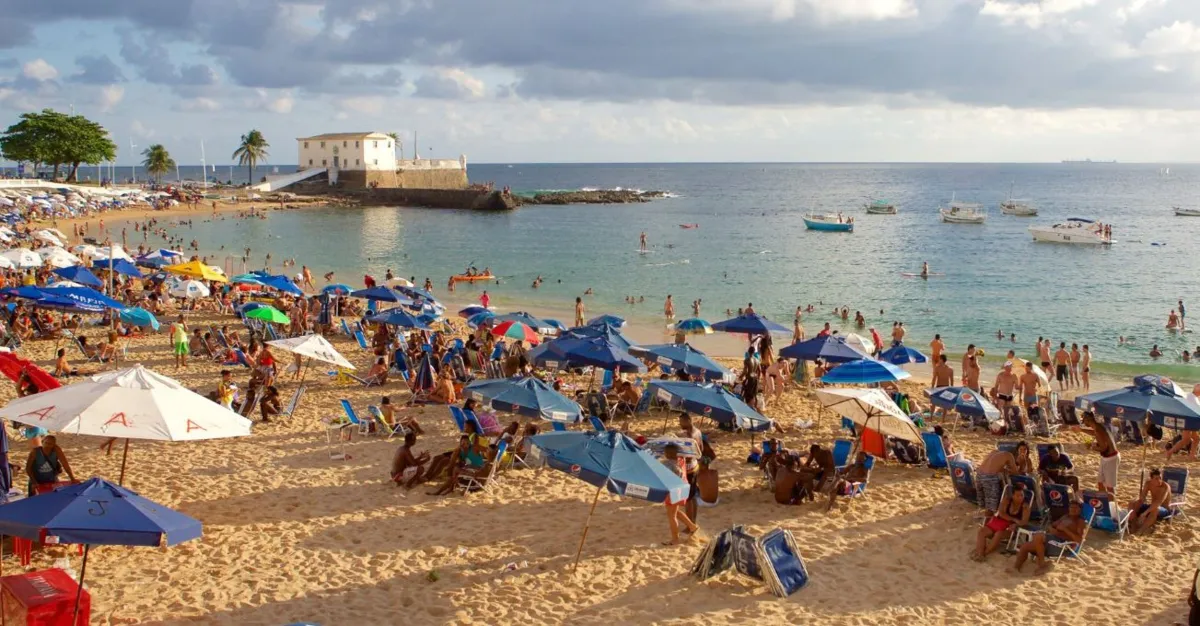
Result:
925,269
642,241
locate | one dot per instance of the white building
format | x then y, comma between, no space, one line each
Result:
364,152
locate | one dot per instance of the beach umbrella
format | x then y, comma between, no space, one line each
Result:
752,324
864,372
471,311
48,237
525,396
607,320
378,294
64,283
610,461
337,289
58,257
268,313
7,264
155,264
901,354
115,251
414,293
480,319
605,333
315,348
281,283
132,403
681,356
171,256
557,325
424,378
23,257
85,297
398,317
687,446
246,279
1162,384
189,289
195,269
965,401
86,249
526,319
712,401
250,306
873,409
402,282
582,352
860,343
96,512
81,275
516,330
693,326
1139,403
827,348
137,316
120,266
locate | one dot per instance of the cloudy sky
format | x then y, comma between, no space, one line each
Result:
624,80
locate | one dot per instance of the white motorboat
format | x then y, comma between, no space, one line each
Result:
1187,212
1075,230
963,213
880,207
1017,206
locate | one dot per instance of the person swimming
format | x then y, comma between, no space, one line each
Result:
924,269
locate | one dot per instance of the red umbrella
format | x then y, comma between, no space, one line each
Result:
516,330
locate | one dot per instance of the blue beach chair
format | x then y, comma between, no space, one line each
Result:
1007,446
1037,510
362,341
346,328
841,452
364,428
1056,498
1109,517
606,382
558,427
963,477
460,420
935,452
597,424
1177,478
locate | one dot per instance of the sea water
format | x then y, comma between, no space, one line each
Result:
751,246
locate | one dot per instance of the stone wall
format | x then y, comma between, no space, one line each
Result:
437,198
431,179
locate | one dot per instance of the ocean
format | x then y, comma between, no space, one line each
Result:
751,246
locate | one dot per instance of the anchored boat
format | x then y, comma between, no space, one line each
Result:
1187,212
880,207
963,213
829,223
1075,230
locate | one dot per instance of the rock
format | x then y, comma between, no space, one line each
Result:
599,196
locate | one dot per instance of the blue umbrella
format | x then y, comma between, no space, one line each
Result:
471,311
864,372
475,321
694,326
1163,384
827,348
80,274
596,352
901,354
85,297
526,396
398,317
155,262
138,316
752,324
42,299
378,293
250,306
606,333
423,378
1134,403
612,461
5,468
96,512
712,401
607,320
247,279
337,289
414,293
281,283
683,356
524,318
965,401
559,326
120,266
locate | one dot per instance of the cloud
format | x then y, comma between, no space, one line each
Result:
448,84
140,130
198,104
111,96
39,70
1178,38
153,63
96,70
273,102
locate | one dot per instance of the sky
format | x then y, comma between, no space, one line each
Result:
508,81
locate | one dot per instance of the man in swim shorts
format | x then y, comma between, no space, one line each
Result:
1005,387
707,484
1062,361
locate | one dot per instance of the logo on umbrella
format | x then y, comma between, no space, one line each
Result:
515,407
575,469
966,397
1120,410
958,472
707,410
1056,495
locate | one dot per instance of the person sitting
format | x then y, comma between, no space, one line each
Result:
524,444
388,410
1151,503
469,456
26,386
1023,459
817,471
707,484
43,465
1067,529
857,472
443,391
270,403
378,374
1187,442
1056,467
108,350
627,399
61,366
1013,509
991,476
788,480
408,469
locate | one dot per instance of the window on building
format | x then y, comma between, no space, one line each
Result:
310,161
344,144
374,144
322,144
306,145
376,161
356,161
356,144
322,162
389,144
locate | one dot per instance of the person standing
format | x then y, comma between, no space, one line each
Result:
642,241
44,464
669,308
1062,362
1110,457
937,347
1085,368
1182,315
579,311
179,342
485,300
1075,356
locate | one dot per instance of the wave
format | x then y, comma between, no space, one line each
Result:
680,262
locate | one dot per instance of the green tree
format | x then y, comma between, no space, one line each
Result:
158,161
53,138
252,150
396,145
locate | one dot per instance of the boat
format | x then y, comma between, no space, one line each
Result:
963,213
1017,206
470,278
829,223
880,207
1075,230
1187,212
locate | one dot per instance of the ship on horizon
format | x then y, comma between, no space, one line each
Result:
1086,161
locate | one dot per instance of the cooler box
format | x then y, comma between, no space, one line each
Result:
43,598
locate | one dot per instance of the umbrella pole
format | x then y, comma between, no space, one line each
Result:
124,459
587,524
79,592
1142,473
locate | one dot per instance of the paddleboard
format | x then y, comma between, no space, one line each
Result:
918,274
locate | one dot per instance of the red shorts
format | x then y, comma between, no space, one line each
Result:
998,524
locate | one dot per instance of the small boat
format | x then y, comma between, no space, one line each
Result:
963,213
470,278
1075,230
1187,212
829,223
880,207
1017,206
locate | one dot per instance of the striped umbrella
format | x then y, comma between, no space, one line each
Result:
516,330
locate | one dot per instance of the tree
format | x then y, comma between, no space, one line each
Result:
158,161
252,150
57,139
396,145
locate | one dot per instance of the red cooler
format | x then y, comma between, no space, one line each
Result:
43,598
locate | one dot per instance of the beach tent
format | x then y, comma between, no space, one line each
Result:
872,409
681,356
525,396
610,461
132,403
711,401
752,324
424,378
864,372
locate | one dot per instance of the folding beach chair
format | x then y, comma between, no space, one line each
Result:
373,381
596,404
859,488
1109,517
1044,448
241,358
362,341
269,329
1037,508
346,328
1064,548
1056,499
89,358
644,402
597,425
487,424
962,474
841,452
849,426
558,427
1177,478
483,479
364,427
290,408
250,402
219,337
391,430
935,451
460,419
1008,446
606,382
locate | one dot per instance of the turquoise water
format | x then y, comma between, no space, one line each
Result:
751,246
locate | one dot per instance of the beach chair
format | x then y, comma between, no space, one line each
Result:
1109,516
460,420
841,452
848,426
606,381
644,402
270,331
89,358
391,430
250,402
241,358
289,409
1177,478
373,381
346,328
364,427
860,488
1056,499
597,425
962,474
935,451
1044,448
362,340
219,337
483,479
558,427
1065,548
596,404
1037,508
1007,446
487,424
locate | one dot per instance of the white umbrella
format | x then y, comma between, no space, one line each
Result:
66,283
56,232
216,270
189,289
58,257
860,343
133,403
6,202
6,264
5,238
22,257
48,237
1019,366
314,347
86,248
403,282
871,408
115,251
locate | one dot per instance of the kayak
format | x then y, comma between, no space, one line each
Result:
918,275
466,278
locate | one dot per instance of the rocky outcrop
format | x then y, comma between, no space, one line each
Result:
599,196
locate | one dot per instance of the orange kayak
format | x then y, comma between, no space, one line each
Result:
465,278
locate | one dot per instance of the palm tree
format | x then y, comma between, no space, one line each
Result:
396,144
158,161
252,150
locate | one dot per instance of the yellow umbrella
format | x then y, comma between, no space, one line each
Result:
196,269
